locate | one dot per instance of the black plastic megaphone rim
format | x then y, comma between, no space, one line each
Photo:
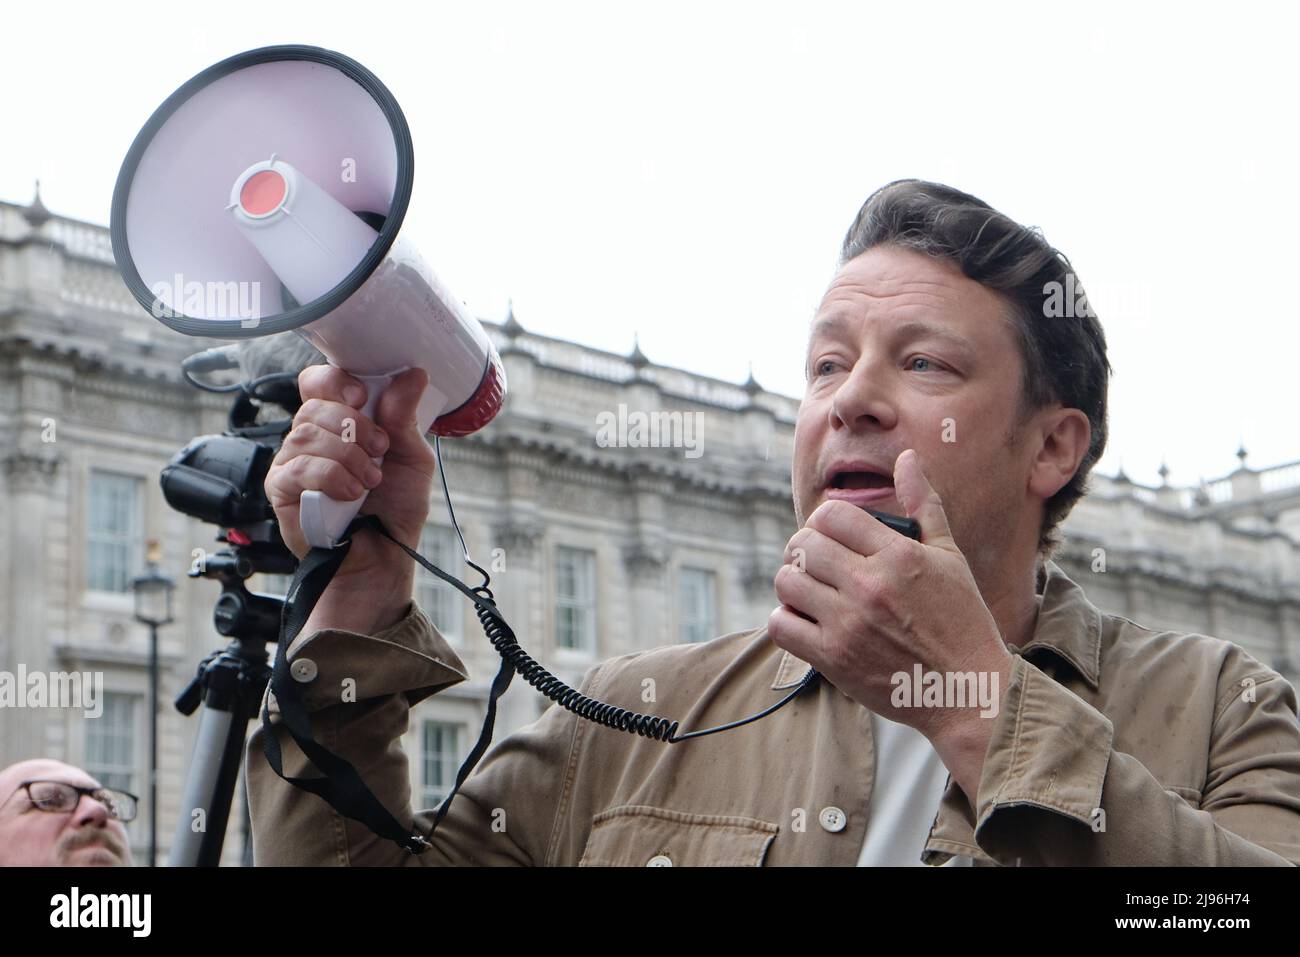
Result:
302,314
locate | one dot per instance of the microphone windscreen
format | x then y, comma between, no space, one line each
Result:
283,352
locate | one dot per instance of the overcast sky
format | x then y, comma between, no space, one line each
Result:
687,171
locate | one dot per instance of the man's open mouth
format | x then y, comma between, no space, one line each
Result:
859,482
846,480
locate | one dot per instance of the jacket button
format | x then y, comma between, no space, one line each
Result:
659,860
303,669
832,819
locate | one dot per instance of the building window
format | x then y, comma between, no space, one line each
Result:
575,599
697,604
114,531
440,745
110,743
443,604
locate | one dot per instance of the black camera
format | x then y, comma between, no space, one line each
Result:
219,479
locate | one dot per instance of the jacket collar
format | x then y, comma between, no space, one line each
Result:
1068,625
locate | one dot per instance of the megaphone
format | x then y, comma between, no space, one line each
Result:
266,195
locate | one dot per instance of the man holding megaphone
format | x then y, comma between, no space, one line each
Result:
1076,761
965,673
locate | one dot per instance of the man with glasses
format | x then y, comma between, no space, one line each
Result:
55,815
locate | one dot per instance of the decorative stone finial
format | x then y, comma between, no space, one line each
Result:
636,356
512,328
36,213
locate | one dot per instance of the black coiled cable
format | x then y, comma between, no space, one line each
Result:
502,637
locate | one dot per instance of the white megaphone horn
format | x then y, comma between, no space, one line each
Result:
265,195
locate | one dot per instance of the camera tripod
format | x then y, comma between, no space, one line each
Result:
227,691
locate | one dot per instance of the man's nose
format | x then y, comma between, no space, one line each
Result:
863,399
89,812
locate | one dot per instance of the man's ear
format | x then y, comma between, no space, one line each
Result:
1064,435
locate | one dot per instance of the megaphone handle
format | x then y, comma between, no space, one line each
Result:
323,519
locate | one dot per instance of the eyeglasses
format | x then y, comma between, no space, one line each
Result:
59,796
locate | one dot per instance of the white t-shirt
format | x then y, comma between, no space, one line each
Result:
909,784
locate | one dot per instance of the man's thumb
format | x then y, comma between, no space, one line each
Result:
922,501
396,412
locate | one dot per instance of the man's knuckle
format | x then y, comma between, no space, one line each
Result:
327,382
784,580
908,562
308,411
829,514
306,432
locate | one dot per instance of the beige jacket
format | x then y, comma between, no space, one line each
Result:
1189,747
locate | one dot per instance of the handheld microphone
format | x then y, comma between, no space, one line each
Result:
904,526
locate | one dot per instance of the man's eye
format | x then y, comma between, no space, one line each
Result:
822,367
920,364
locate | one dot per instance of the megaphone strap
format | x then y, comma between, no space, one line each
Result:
341,786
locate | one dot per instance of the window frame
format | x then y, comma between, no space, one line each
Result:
447,556
586,604
708,625
449,760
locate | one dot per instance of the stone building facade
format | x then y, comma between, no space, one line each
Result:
600,541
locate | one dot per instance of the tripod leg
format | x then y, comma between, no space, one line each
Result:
233,684
198,815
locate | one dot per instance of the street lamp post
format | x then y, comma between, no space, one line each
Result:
153,607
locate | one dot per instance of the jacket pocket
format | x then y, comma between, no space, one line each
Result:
640,836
